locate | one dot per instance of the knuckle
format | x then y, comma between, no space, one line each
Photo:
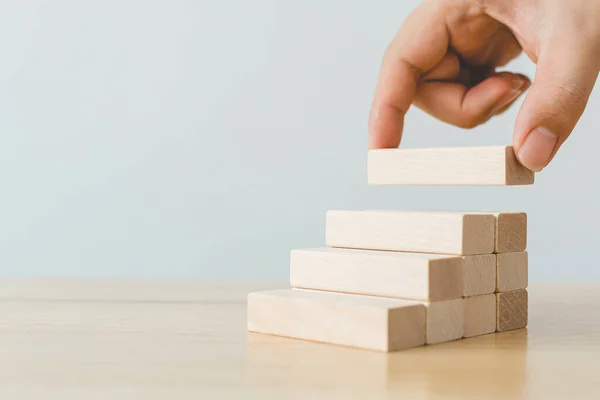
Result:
473,118
567,103
568,93
472,121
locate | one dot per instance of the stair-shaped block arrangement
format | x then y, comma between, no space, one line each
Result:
391,280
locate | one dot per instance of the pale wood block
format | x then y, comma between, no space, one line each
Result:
511,271
419,276
357,321
484,166
412,231
512,310
479,274
511,232
479,315
445,321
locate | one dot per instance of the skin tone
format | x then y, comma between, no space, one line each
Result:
444,58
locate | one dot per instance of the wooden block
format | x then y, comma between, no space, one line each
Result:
484,166
511,271
418,276
511,310
479,274
445,321
511,232
412,231
479,315
344,319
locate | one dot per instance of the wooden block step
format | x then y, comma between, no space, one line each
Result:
412,231
445,321
512,310
483,166
479,315
418,276
357,321
511,232
511,271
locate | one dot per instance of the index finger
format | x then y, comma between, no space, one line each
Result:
421,43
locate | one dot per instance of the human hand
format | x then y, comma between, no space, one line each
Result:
443,61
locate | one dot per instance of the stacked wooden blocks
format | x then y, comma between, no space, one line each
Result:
391,280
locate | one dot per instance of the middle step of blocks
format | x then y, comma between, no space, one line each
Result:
418,276
442,232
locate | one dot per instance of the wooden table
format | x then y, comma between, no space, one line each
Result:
103,339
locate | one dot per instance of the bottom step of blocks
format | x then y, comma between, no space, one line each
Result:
445,321
480,315
357,321
511,310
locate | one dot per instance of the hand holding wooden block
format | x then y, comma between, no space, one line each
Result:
392,280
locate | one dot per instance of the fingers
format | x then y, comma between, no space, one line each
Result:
418,47
446,70
455,104
564,80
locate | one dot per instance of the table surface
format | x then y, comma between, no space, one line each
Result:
110,339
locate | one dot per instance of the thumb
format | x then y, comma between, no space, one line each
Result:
564,80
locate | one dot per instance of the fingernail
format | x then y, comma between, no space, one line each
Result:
518,84
517,90
537,149
512,96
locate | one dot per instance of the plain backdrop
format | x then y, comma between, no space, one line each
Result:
207,139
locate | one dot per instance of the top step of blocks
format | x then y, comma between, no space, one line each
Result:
458,166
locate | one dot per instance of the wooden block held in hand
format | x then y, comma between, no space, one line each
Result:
445,321
412,231
484,166
344,319
511,310
511,232
511,271
479,315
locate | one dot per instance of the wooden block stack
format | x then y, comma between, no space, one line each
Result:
391,280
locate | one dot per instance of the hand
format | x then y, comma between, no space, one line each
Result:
443,60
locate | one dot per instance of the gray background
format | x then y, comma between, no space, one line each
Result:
207,139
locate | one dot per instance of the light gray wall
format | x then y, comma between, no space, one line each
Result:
208,138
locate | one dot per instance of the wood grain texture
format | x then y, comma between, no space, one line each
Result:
479,315
479,274
445,321
511,232
419,276
188,340
412,231
512,310
357,321
512,271
483,166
